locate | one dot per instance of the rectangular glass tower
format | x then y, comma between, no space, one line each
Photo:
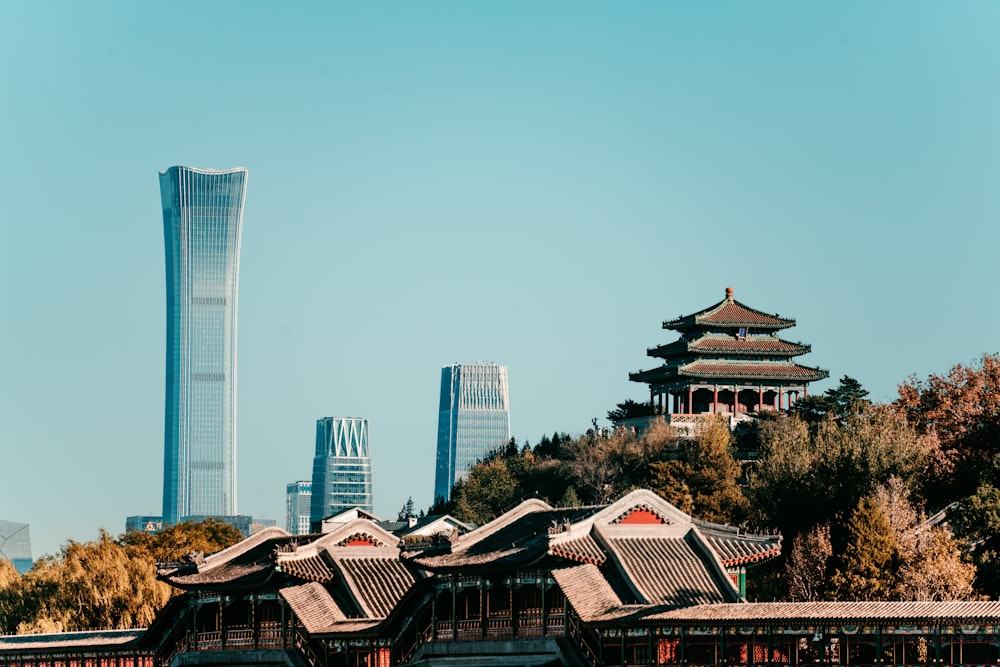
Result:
474,420
202,224
342,467
298,506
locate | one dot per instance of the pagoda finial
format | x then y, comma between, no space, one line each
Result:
729,294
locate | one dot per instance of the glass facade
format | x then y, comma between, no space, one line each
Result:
15,545
342,467
202,224
298,505
474,420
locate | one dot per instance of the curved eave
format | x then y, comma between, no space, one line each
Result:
506,562
752,558
662,374
813,375
682,348
710,318
251,581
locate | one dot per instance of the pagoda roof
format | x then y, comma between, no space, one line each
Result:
729,313
715,343
721,370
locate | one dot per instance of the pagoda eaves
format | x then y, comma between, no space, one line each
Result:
769,345
729,314
730,360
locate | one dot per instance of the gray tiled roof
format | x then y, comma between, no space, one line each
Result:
583,549
310,568
312,605
668,570
587,591
377,583
736,550
836,611
69,639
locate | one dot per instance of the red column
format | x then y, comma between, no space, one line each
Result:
760,398
690,405
715,398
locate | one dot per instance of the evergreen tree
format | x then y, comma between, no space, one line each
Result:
868,565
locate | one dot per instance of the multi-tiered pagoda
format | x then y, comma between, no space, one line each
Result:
729,360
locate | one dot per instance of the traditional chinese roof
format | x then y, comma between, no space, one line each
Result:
356,563
313,606
729,345
378,584
516,539
246,565
641,546
859,612
587,591
737,547
721,371
69,640
673,570
729,314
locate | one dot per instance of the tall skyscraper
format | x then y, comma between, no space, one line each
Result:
202,223
342,467
474,420
298,506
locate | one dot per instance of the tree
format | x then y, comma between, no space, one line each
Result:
407,510
976,519
90,585
488,491
702,478
174,542
569,498
806,569
629,409
781,487
961,409
893,499
867,566
10,581
936,569
848,397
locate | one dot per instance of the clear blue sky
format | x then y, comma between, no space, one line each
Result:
534,183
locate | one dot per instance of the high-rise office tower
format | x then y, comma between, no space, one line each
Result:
342,467
202,222
474,420
298,505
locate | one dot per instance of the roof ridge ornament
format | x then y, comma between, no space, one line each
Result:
729,294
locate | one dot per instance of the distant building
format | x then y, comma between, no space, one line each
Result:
15,545
342,467
143,524
729,360
298,505
246,524
474,420
202,225
257,524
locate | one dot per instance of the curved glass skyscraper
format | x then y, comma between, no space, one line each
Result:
474,420
342,467
202,223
